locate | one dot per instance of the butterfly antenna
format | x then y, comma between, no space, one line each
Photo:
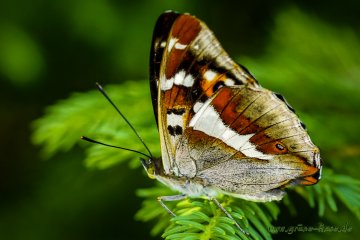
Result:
104,144
122,115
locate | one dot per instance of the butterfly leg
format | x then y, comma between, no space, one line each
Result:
170,199
227,214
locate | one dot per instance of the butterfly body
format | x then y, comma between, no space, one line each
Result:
220,131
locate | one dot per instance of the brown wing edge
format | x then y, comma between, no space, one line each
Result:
161,32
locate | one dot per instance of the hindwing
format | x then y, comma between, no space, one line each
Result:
246,140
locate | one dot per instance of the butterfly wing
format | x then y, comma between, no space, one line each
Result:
217,126
187,66
160,35
247,142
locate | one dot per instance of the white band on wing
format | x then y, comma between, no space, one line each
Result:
208,121
180,79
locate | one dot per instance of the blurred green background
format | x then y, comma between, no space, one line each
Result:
308,51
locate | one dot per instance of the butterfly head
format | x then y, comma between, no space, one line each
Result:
152,166
149,166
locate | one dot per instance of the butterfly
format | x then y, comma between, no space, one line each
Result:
220,131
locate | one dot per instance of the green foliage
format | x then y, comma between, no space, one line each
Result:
91,115
315,65
202,219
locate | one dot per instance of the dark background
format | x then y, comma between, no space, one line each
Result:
49,49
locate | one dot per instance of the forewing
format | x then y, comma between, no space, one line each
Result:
160,35
193,66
